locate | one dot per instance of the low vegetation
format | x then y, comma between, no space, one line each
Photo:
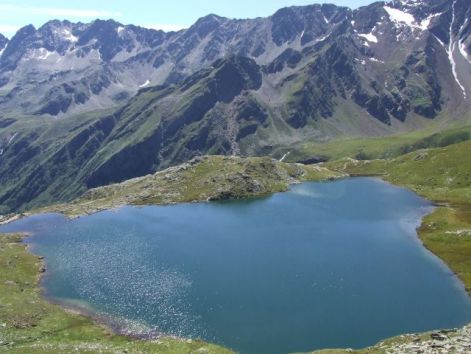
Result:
441,341
378,148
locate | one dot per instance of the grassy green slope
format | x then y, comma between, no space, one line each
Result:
40,163
28,324
440,174
378,148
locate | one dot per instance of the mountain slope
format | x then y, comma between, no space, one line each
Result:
410,55
230,87
3,43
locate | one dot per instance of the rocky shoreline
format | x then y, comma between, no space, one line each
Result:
436,342
447,341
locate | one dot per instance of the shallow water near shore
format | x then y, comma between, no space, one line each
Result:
334,264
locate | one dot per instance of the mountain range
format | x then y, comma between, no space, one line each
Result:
86,105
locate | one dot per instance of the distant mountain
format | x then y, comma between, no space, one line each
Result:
397,54
222,86
3,43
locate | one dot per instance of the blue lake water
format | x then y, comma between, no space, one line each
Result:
333,264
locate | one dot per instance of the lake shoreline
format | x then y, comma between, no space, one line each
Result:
52,328
112,325
424,230
101,319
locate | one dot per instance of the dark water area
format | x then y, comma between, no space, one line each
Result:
334,264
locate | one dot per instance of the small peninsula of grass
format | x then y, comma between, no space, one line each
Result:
202,179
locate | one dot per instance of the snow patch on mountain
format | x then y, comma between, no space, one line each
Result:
376,60
411,2
461,44
38,54
403,18
2,149
399,16
451,49
320,39
68,36
439,41
370,37
425,24
11,139
462,48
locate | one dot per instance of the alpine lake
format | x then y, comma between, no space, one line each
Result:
324,265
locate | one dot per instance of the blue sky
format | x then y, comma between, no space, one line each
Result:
166,15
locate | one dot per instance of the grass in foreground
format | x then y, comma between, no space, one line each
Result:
447,233
441,341
28,324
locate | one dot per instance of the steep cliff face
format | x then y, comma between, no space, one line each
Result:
3,42
182,122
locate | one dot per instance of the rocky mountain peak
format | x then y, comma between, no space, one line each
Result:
3,42
82,67
17,47
238,71
206,25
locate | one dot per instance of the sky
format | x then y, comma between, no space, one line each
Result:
167,15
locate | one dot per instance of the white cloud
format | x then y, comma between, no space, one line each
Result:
57,12
8,30
166,27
